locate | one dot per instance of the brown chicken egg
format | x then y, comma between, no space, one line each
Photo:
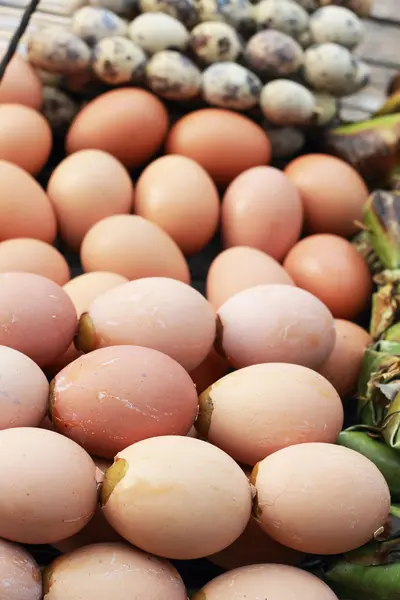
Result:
253,412
113,397
129,123
25,137
117,571
262,209
155,312
239,268
20,577
274,323
86,187
332,192
133,247
320,498
343,366
25,210
223,142
37,317
27,255
209,371
176,497
49,488
269,582
330,268
23,390
177,194
21,84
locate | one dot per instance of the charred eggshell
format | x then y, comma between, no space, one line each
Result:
214,42
93,24
58,51
183,10
154,32
282,15
230,85
336,24
117,60
173,75
330,68
274,53
286,102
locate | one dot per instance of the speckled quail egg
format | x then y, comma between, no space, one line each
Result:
282,15
336,24
154,32
183,10
330,68
49,79
362,8
327,108
309,5
274,53
214,42
285,141
92,24
238,13
286,102
58,51
121,7
117,60
58,108
361,79
172,75
229,85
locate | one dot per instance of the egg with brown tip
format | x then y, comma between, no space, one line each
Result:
20,577
274,323
150,479
154,312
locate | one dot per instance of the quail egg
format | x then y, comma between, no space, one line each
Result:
309,5
58,108
58,51
336,24
330,68
285,16
183,10
117,60
362,8
229,85
155,32
286,102
327,108
214,42
172,75
285,141
238,13
92,24
121,7
274,53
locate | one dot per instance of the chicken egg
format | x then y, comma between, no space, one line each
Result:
135,132
330,268
151,479
28,255
272,582
37,317
104,571
239,268
86,187
224,143
343,366
256,411
133,247
20,577
332,192
320,498
113,397
49,488
25,210
274,323
21,84
178,195
154,312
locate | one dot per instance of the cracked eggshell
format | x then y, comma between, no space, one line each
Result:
113,397
229,85
286,102
58,51
49,491
20,577
149,480
173,76
92,24
155,312
274,53
336,24
215,42
320,498
238,13
282,15
117,60
254,412
183,10
330,68
154,32
299,327
112,570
